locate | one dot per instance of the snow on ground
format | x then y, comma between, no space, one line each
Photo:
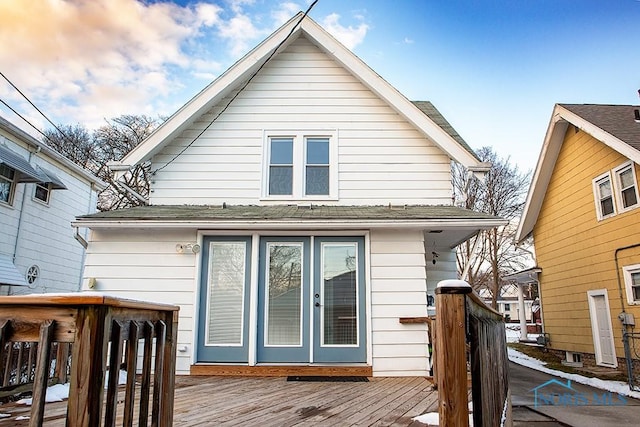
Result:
608,385
59,392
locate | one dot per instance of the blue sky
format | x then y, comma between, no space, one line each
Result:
493,68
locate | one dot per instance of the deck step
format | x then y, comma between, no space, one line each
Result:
282,370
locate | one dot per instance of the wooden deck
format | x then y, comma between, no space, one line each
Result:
220,401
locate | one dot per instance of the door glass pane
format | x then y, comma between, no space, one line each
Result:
340,312
226,293
284,288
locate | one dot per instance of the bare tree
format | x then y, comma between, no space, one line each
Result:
491,254
108,143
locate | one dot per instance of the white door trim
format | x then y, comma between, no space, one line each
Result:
594,327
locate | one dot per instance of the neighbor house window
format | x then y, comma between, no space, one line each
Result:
626,187
7,183
301,166
604,196
632,283
42,192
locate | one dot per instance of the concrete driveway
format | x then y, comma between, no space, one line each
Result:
540,399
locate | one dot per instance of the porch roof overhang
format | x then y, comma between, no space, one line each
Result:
446,225
9,274
523,277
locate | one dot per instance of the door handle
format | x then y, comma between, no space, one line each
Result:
317,304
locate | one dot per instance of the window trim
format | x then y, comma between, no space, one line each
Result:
46,185
627,271
12,186
617,186
299,164
598,199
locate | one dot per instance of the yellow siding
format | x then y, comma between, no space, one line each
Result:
576,251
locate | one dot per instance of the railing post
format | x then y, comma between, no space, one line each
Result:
451,354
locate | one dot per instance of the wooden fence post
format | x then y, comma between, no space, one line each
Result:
451,353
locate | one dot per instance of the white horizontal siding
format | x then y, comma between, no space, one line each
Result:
144,265
43,232
398,289
382,158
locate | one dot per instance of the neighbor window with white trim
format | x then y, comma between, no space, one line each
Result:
632,283
300,166
7,183
605,206
626,188
42,192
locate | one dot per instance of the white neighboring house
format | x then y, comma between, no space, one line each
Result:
294,220
41,192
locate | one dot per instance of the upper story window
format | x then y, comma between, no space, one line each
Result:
626,187
604,196
301,166
618,194
632,283
42,192
7,183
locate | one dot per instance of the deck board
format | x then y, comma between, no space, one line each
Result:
272,401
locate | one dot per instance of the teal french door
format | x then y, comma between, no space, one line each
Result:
310,300
311,311
223,333
339,303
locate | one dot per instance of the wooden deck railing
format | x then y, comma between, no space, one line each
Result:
99,328
460,314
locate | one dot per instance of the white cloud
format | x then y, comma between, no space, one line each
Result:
284,12
349,36
239,31
407,40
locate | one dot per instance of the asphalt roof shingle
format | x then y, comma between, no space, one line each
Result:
283,212
618,120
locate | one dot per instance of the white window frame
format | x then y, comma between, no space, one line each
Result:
44,185
12,186
617,186
299,164
627,271
597,198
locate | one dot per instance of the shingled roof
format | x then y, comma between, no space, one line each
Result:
287,212
617,120
432,112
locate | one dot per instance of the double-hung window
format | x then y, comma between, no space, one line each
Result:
626,188
632,283
604,196
300,166
7,183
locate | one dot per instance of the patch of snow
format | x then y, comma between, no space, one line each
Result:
613,386
55,393
433,419
5,415
59,392
22,418
122,378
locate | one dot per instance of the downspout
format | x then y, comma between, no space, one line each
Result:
82,240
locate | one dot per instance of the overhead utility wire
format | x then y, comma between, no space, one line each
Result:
23,118
34,106
239,91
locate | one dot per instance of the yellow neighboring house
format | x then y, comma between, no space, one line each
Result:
583,211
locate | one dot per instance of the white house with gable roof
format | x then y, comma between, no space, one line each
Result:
300,207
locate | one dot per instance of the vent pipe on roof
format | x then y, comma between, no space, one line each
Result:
637,114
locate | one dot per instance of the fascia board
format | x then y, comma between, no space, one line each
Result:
209,96
289,224
542,176
389,94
